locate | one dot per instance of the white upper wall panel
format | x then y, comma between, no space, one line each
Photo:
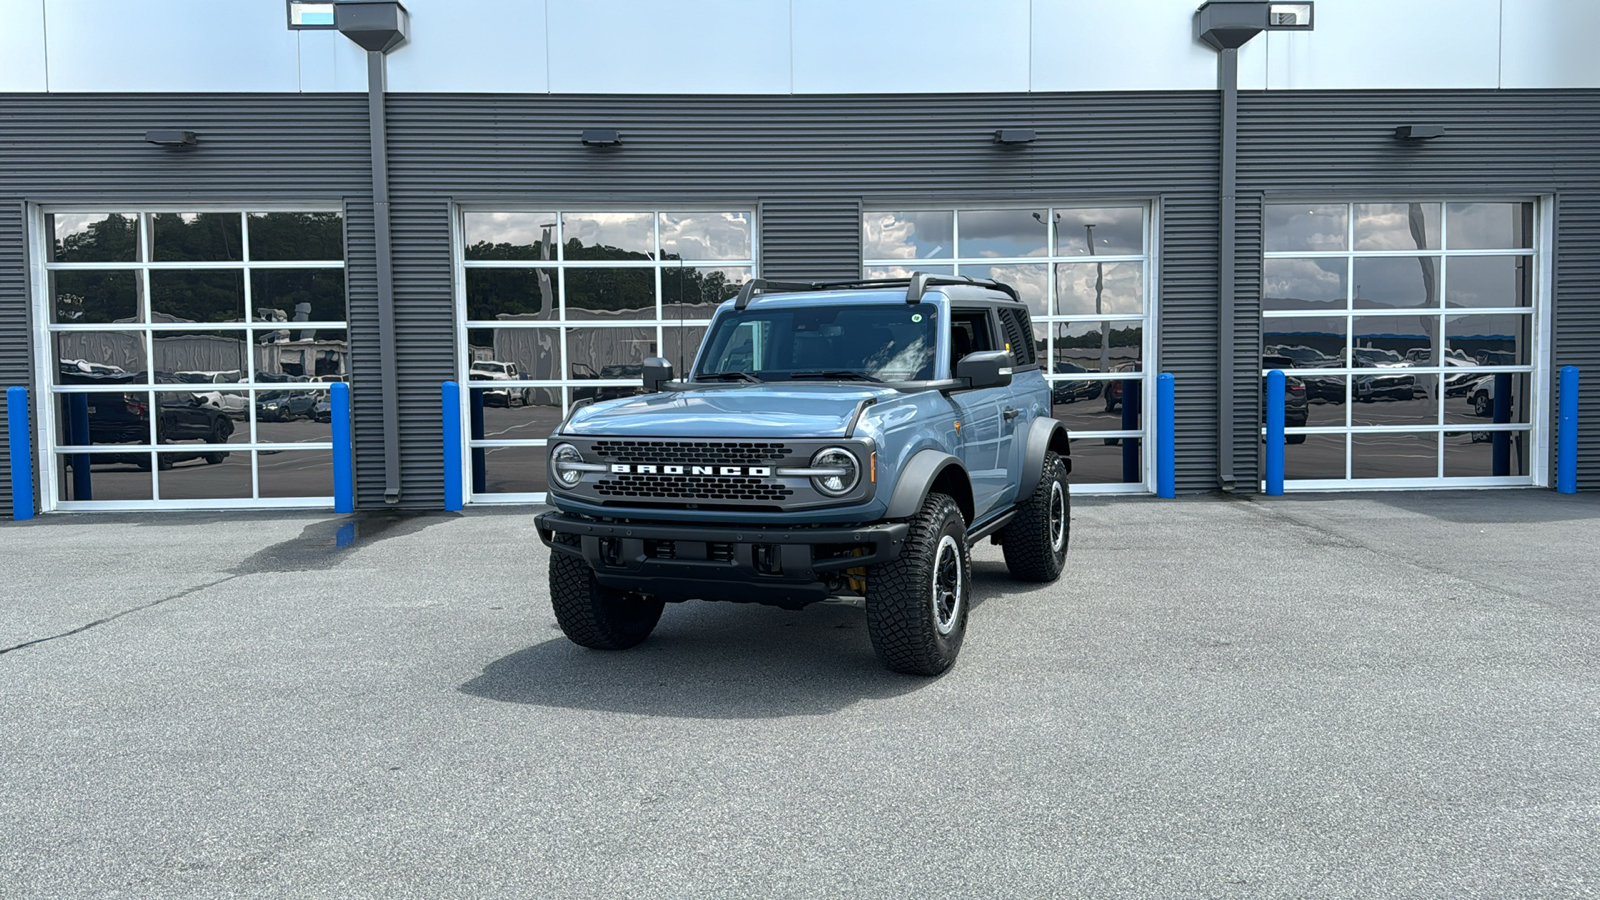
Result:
1374,44
914,46
1550,44
22,45
174,45
329,61
1115,45
652,47
494,46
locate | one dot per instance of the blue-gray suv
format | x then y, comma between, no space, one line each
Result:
831,440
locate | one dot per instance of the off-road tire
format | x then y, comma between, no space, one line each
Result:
1029,542
915,627
593,615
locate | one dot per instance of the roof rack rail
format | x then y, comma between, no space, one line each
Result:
916,285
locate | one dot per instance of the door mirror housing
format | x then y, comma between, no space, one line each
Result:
985,369
657,372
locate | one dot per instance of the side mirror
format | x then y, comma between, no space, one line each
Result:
985,369
657,372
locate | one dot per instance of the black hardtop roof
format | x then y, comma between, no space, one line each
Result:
915,286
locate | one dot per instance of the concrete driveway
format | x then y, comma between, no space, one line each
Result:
1365,695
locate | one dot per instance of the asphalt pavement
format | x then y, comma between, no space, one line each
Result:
1373,695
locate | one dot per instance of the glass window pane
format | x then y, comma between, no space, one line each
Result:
297,295
512,294
608,236
289,416
1393,341
1097,346
1311,284
905,271
201,417
93,237
1394,454
1115,231
201,357
908,235
610,294
680,346
505,235
1397,226
198,295
1106,461
1481,281
99,357
104,417
702,236
529,354
1490,340
694,293
1085,404
511,470
592,350
196,473
1319,456
321,354
1484,454
1490,226
1325,396
1397,282
1028,279
1002,233
295,473
196,237
1481,401
1097,288
1300,227
297,236
111,476
96,297
533,414
1376,406
1313,342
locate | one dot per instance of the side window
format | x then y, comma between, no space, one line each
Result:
969,333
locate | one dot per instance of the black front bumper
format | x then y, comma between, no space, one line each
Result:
779,566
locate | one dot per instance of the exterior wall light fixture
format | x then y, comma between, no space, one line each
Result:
171,137
601,137
305,15
1015,136
1418,132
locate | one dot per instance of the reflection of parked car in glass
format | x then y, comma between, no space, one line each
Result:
1073,390
1459,383
288,403
1389,384
122,417
1113,389
631,372
1480,395
494,370
1296,411
234,403
322,409
1318,387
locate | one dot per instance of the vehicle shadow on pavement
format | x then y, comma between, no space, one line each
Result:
708,661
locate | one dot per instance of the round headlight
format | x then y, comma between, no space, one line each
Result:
843,475
561,460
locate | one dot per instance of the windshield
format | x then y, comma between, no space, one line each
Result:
837,341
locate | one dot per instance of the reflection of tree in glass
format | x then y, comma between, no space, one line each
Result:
286,236
203,237
95,296
516,292
114,238
320,291
1120,337
197,295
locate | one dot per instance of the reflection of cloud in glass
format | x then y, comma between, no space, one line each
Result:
628,232
1117,231
72,223
1298,283
694,236
1305,227
905,271
1388,226
1002,233
1397,282
522,229
908,235
1486,281
1488,226
1029,280
1120,291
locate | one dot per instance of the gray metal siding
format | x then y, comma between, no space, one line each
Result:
89,149
1339,145
808,164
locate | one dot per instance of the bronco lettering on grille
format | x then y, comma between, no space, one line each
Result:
707,471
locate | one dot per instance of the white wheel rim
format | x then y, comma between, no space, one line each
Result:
1058,517
947,584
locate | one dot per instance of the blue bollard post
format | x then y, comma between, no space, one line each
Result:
344,481
480,457
21,453
78,433
1166,437
450,406
1132,408
1276,385
1567,433
1502,415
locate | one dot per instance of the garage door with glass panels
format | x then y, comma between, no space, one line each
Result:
559,307
188,356
1085,274
1410,333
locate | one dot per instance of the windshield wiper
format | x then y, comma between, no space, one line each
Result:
840,374
728,376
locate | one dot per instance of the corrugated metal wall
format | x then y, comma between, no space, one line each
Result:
808,164
1340,146
14,333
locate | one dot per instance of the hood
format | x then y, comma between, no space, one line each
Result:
790,410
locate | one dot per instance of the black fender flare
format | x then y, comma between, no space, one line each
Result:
1045,434
917,479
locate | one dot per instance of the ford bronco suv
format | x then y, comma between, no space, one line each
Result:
831,440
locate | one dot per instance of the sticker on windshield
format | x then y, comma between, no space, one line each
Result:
916,317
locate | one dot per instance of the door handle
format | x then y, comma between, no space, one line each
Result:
1012,413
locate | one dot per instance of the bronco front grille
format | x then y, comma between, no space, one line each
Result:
680,487
726,453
